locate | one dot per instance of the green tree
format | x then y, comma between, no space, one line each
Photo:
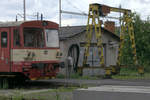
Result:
142,39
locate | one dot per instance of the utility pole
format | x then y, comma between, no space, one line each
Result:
59,13
120,18
24,8
37,15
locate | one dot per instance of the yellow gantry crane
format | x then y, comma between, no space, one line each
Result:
95,12
94,16
126,27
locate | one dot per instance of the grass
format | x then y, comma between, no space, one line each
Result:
61,93
127,74
77,76
132,76
54,94
3,98
60,76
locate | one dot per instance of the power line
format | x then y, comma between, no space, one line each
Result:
85,14
74,6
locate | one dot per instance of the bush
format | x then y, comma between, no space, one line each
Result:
61,76
75,76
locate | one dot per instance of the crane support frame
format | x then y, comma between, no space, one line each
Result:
94,24
127,25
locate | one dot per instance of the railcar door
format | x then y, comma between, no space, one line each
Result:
4,50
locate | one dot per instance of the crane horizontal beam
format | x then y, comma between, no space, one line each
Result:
119,10
85,14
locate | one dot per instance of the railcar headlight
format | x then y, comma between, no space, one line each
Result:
45,23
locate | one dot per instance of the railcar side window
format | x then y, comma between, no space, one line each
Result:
4,39
52,38
16,37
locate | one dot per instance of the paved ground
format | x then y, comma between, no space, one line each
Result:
111,92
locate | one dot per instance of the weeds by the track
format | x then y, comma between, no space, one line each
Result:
131,74
125,74
61,93
3,98
77,76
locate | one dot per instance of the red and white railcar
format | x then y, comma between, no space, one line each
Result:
29,49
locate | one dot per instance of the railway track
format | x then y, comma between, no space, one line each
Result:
76,82
56,83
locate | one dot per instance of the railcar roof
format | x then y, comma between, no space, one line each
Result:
10,24
18,23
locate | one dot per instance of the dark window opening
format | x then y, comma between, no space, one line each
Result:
33,37
4,39
16,38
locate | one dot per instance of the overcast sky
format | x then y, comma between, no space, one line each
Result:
50,10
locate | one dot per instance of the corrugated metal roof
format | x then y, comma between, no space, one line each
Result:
69,31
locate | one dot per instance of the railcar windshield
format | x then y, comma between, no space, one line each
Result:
52,39
33,37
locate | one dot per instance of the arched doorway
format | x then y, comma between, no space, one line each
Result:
74,53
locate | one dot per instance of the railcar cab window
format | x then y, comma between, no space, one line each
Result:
33,37
4,39
16,38
52,39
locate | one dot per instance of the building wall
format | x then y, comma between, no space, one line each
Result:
110,51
